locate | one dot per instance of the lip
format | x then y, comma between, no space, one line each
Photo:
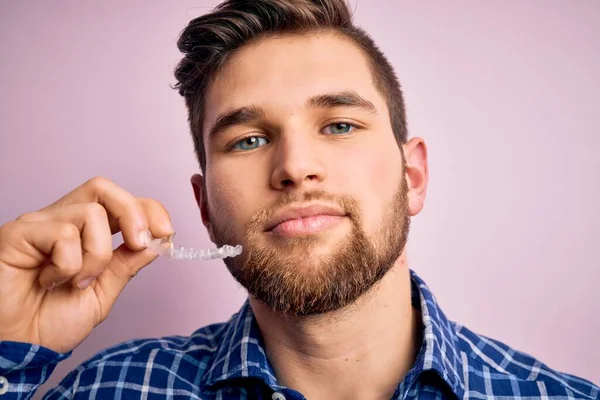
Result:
313,210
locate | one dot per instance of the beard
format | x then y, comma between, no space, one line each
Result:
291,279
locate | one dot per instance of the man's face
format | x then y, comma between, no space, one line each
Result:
304,172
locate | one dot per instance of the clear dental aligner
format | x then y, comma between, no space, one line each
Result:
166,248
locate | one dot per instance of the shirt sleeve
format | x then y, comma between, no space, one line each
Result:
24,368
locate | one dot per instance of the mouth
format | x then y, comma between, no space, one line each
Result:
302,221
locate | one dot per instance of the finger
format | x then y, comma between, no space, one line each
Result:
123,209
96,238
54,245
159,221
124,265
96,242
91,219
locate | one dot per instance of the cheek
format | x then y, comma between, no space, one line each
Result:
230,200
376,180
222,201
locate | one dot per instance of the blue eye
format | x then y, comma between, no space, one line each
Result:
339,128
250,143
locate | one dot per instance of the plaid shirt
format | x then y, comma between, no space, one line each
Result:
228,361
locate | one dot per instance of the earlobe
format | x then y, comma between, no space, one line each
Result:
416,173
199,188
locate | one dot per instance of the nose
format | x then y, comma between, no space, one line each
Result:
298,163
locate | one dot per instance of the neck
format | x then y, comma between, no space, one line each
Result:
361,352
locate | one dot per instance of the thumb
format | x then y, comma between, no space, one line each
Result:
124,265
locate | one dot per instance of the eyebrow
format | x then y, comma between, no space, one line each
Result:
348,99
237,116
249,114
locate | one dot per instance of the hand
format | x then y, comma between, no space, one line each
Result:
59,275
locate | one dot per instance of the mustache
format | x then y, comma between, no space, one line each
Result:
347,204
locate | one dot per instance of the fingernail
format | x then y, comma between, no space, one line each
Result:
143,238
85,283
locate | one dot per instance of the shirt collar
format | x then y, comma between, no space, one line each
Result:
440,348
241,352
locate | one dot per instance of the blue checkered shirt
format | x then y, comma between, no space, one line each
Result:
228,361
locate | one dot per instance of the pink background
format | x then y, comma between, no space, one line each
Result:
505,93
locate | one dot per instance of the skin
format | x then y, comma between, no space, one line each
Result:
61,276
344,353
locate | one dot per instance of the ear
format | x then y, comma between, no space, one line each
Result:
416,173
199,188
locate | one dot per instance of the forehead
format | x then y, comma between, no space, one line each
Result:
281,73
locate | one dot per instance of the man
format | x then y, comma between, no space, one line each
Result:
299,127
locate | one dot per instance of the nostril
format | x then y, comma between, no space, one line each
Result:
287,182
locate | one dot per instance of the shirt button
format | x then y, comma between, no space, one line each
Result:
3,385
278,396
